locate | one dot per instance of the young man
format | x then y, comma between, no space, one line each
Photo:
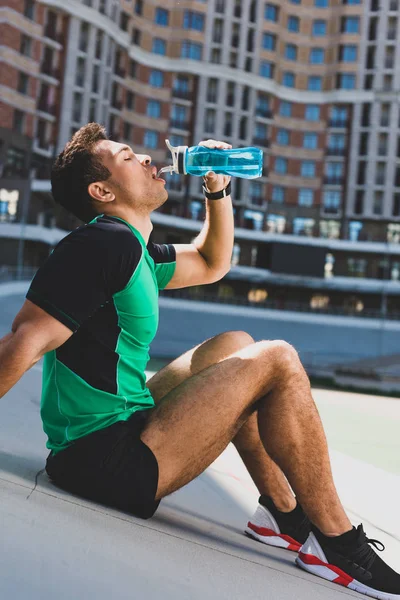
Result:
92,311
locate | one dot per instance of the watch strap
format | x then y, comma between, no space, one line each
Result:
217,195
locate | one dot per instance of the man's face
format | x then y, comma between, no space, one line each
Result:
132,177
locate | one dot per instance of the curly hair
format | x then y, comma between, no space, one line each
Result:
75,168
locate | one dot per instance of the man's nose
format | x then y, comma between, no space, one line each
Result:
144,159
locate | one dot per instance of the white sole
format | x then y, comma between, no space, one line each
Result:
275,539
325,570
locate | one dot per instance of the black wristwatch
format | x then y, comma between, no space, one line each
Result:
217,195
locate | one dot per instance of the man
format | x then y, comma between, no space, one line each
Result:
92,312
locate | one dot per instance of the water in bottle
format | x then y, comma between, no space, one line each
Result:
199,160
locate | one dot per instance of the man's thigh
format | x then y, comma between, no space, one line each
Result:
195,360
193,423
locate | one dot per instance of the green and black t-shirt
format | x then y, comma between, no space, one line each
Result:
102,282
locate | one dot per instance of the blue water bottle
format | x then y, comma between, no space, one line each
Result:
199,160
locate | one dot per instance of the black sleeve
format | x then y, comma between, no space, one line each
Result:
84,271
164,256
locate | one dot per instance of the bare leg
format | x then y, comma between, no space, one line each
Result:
265,473
193,424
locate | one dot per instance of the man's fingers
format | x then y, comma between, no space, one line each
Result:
215,144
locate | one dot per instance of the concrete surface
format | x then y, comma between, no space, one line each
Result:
57,545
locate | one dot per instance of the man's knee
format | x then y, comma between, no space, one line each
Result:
282,354
235,340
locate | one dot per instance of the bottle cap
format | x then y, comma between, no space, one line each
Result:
178,157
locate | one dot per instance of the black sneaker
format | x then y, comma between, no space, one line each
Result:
350,561
285,530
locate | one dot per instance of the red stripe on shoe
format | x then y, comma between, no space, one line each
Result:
342,577
264,531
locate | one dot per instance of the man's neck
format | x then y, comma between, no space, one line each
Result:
140,222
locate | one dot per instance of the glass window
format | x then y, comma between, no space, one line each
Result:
193,20
310,141
337,141
150,139
156,78
291,52
321,3
339,113
288,79
179,114
177,140
319,27
293,24
285,109
260,131
278,194
346,81
348,53
161,17
191,50
267,69
314,83
159,46
302,226
312,112
271,12
307,168
283,137
317,56
332,200
281,165
153,109
306,197
334,170
269,41
350,24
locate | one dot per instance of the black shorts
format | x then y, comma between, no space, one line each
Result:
111,466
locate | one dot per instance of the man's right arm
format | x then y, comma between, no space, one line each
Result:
34,332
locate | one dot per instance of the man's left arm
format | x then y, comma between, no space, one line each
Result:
208,258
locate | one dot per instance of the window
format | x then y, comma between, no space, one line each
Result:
267,69
29,9
291,52
191,50
271,12
256,192
269,41
334,170
332,200
281,165
179,115
306,197
314,83
193,20
278,194
136,36
321,3
348,53
150,139
18,121
312,112
26,45
177,140
153,109
161,17
303,226
319,28
130,100
310,141
260,132
283,137
293,24
346,81
288,79
124,22
159,46
307,168
23,81
339,114
127,131
212,90
317,56
156,78
350,24
139,7
285,109
336,141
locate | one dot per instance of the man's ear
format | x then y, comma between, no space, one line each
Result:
100,192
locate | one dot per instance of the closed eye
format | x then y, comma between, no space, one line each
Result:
127,159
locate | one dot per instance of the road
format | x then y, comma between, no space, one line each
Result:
57,545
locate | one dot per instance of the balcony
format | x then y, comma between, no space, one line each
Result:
265,113
336,151
333,180
182,94
47,69
120,71
51,32
176,124
260,141
338,123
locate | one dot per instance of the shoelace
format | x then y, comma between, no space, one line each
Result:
364,556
